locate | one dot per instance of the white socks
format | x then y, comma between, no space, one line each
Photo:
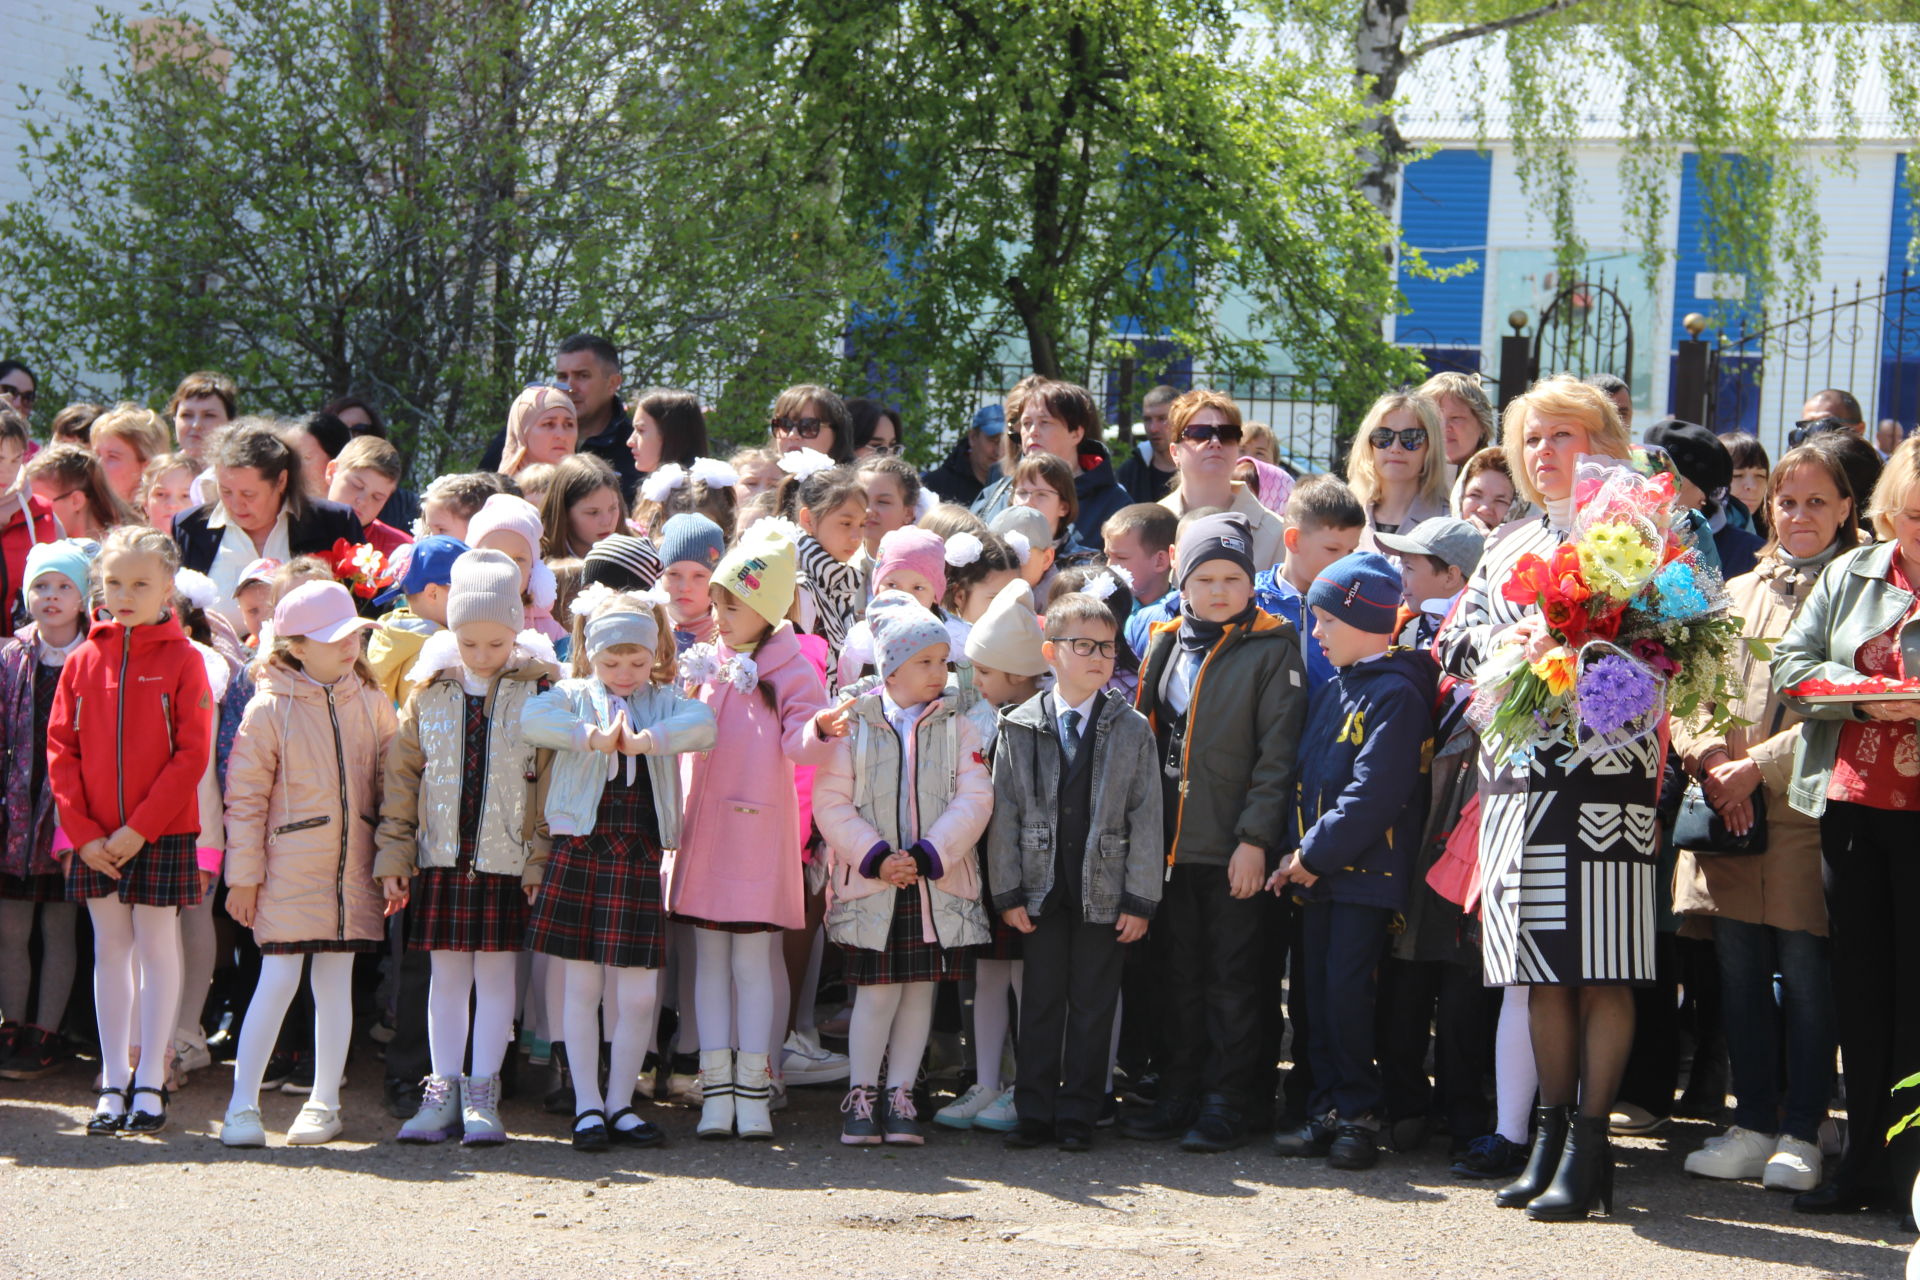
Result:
893,1022
119,931
489,976
996,984
332,984
730,965
1515,1077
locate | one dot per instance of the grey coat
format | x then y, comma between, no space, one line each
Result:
1123,856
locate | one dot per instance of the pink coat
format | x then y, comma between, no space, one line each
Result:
739,855
815,650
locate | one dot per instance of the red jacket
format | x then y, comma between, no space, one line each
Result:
17,537
130,734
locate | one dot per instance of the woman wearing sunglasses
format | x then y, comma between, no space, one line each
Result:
1205,430
1396,468
810,417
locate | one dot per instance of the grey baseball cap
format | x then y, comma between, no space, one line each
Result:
1454,541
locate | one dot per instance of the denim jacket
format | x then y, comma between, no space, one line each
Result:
560,719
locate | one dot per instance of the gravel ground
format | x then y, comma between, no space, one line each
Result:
181,1205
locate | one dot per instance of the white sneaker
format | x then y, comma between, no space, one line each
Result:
998,1115
806,1061
1738,1155
314,1125
190,1055
1795,1166
960,1113
242,1128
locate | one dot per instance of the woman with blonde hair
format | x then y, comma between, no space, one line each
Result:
1396,467
542,426
126,438
1569,848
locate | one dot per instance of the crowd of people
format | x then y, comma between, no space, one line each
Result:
1104,793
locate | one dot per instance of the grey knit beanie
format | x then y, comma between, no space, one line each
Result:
485,588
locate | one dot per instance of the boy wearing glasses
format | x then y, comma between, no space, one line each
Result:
1074,858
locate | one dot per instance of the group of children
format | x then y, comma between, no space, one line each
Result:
969,758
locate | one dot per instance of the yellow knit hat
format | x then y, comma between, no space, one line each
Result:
762,569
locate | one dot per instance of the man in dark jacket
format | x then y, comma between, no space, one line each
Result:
588,369
1362,799
1148,473
974,461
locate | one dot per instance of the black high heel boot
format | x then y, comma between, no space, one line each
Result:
1549,1136
1585,1175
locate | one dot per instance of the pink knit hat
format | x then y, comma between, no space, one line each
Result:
920,550
504,513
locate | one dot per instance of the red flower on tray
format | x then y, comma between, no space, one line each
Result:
1852,688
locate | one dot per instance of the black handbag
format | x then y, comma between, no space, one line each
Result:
1700,830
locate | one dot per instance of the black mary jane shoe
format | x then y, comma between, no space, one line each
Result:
591,1137
103,1125
644,1134
140,1120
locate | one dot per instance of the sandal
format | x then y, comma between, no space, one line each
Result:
102,1124
644,1134
141,1121
591,1137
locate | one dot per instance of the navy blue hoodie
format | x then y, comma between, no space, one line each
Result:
1362,792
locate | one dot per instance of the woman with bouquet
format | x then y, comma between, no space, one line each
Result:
1857,769
1568,845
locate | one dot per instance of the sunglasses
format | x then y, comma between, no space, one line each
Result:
881,447
1807,428
1413,439
1087,648
805,428
1206,432
21,394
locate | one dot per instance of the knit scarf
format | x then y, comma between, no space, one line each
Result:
1198,636
836,587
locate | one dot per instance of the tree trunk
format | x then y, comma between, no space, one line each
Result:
1379,60
1043,350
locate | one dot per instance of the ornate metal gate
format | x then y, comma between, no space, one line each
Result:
1587,328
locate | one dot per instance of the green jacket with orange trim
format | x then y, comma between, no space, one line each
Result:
1243,730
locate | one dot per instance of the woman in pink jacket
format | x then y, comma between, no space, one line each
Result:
737,875
303,789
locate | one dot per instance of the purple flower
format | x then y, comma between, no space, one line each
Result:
1614,691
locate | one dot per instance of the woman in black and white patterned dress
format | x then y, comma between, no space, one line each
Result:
1568,854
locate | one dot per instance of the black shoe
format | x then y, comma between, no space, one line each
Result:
1543,1157
1168,1118
1353,1148
1028,1134
141,1120
403,1098
279,1071
1406,1134
1310,1141
559,1099
1842,1197
224,1044
1219,1127
300,1078
1109,1112
1491,1157
36,1053
1584,1178
1145,1091
102,1124
591,1137
643,1134
1073,1137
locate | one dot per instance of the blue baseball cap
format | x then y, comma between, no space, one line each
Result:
991,419
425,562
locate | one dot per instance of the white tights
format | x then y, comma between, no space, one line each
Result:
996,985
489,976
332,985
891,1021
730,965
1515,1077
635,995
119,932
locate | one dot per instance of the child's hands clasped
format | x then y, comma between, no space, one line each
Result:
241,902
123,844
94,854
621,738
1246,870
899,871
1291,871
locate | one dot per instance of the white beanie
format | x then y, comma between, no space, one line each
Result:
1008,637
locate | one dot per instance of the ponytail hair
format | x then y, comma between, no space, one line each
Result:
821,493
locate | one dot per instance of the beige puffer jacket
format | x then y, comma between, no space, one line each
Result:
303,795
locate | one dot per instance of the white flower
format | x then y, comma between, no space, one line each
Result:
197,587
804,462
741,672
591,597
1101,587
1124,575
714,473
699,665
655,594
963,549
1022,549
659,486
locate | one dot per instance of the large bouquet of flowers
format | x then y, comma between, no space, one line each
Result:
1641,627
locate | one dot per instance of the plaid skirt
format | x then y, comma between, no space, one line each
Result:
457,909
162,874
318,947
601,901
48,886
908,957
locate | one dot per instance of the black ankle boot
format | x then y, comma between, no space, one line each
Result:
1549,1136
1584,1178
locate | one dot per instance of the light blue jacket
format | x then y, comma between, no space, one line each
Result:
561,718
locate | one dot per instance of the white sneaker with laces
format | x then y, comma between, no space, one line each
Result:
960,1113
806,1061
998,1115
242,1128
190,1055
1738,1155
1795,1166
314,1125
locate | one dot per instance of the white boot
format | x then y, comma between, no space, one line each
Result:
753,1094
716,1093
